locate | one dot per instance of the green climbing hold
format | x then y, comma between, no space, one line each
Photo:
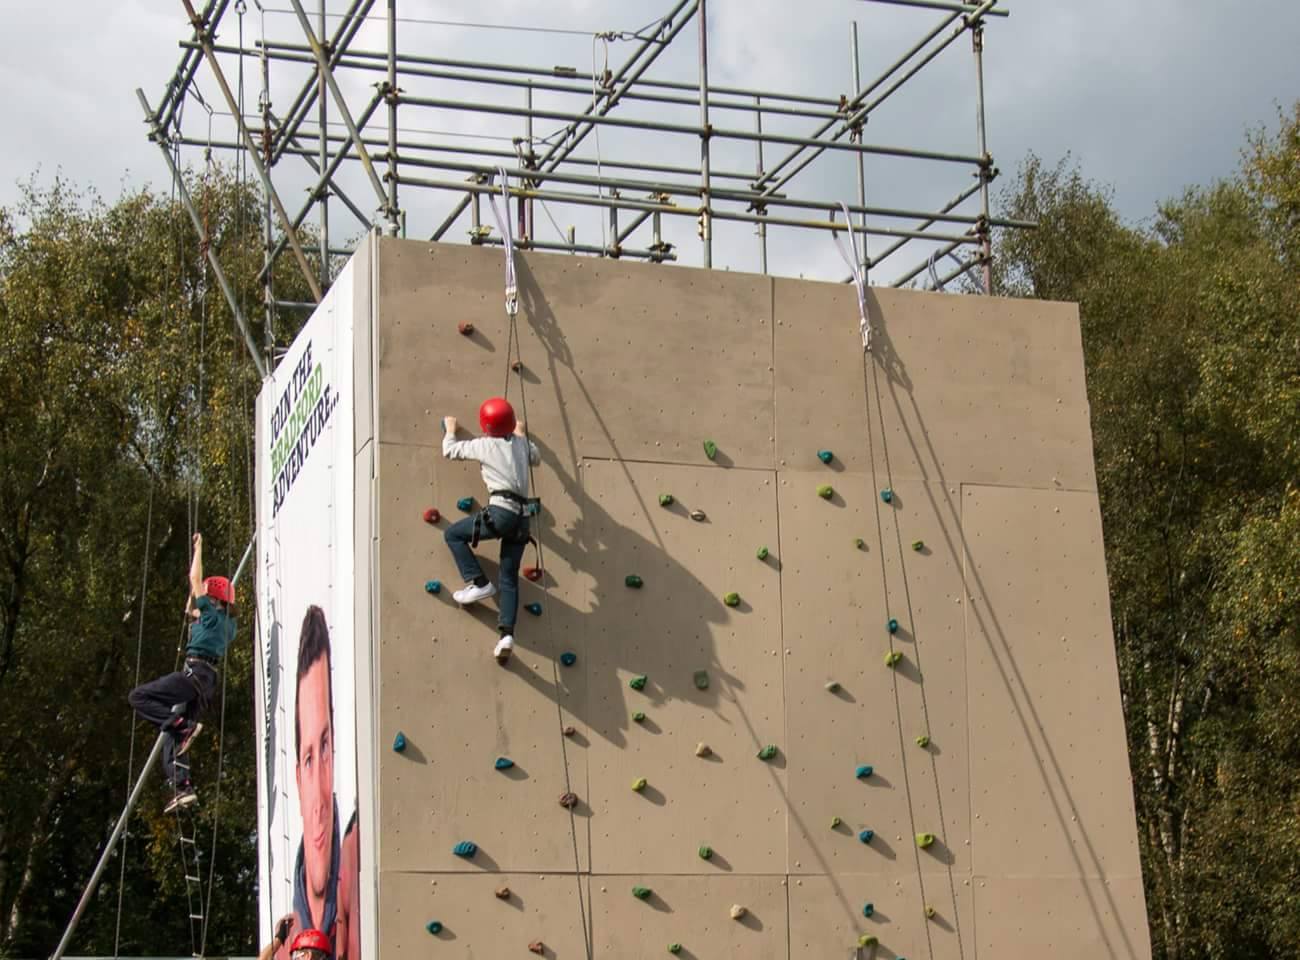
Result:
534,608
434,927
924,840
863,771
825,491
642,893
825,456
433,586
892,625
503,763
710,449
465,849
768,752
761,553
638,682
674,948
666,499
887,495
701,679
893,657
923,741
465,504
638,717
866,835
832,686
866,940
929,912
835,822
568,658
399,742
918,545
705,852
639,784
633,581
731,599
868,909
860,543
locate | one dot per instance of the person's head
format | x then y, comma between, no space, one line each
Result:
310,945
313,731
220,590
496,417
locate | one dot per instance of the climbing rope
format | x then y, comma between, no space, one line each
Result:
855,268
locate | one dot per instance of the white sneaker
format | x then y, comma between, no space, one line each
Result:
502,650
472,594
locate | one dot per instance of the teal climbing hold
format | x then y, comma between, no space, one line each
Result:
761,553
534,608
866,835
433,586
864,770
701,679
768,752
465,849
731,599
633,581
887,495
666,499
638,682
825,491
568,659
434,927
710,449
638,717
825,456
465,504
399,742
868,909
705,852
642,893
892,625
503,763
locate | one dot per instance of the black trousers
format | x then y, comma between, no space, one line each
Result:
191,688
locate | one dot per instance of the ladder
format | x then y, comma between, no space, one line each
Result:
187,834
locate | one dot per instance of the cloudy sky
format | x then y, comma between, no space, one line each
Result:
1149,97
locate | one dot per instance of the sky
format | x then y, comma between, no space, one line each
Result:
1148,98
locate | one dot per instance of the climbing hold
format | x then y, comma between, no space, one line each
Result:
503,763
887,495
866,835
923,741
924,840
863,771
516,366
825,491
866,940
731,599
699,516
893,657
638,717
570,731
666,499
868,909
892,625
761,553
532,573
399,742
502,893
433,586
825,456
465,328
534,608
918,545
639,784
860,543
705,852
768,752
434,927
638,682
537,947
465,504
432,515
738,912
568,658
642,893
835,822
674,948
929,912
568,800
710,449
633,581
832,686
466,849
703,750
701,679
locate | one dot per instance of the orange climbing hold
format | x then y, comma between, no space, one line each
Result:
465,328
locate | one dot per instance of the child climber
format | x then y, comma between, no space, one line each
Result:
505,455
174,702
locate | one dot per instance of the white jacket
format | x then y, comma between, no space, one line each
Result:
504,461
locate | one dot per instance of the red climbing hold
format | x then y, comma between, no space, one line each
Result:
432,515
465,328
516,366
537,947
533,573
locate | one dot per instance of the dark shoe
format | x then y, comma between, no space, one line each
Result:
187,737
185,797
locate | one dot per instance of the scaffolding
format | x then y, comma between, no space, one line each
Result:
679,151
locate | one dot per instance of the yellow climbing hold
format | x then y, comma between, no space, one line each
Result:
639,784
731,599
738,912
924,840
825,491
923,741
892,657
866,940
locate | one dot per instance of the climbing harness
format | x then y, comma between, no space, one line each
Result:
859,281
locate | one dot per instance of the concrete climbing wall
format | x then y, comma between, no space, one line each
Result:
988,556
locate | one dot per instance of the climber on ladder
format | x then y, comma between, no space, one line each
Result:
174,702
505,454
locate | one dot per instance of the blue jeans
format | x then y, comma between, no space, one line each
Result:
512,530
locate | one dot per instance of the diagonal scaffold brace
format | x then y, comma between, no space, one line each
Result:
131,800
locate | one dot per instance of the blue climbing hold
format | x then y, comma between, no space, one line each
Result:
465,504
866,835
433,586
863,771
825,456
503,763
534,608
892,625
868,909
887,495
399,742
434,927
568,659
466,849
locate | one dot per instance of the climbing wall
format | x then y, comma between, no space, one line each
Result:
846,687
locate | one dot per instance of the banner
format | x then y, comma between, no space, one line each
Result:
308,842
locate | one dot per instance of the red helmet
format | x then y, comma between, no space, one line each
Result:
219,588
311,940
496,417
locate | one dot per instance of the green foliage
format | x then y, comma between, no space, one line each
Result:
1191,330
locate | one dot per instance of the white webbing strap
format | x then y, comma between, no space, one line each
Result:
512,290
855,269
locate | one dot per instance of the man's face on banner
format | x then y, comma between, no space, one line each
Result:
315,774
